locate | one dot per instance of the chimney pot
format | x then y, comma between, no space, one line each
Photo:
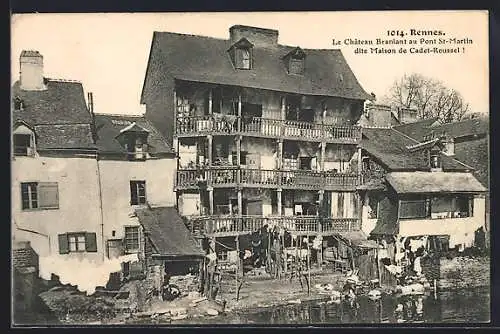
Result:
31,70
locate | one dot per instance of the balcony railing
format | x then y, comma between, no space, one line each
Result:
265,127
292,179
221,225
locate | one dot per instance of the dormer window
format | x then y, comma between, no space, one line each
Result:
24,141
135,141
245,58
295,61
18,103
435,159
137,146
242,54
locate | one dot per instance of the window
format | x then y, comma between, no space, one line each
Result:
243,158
435,160
131,238
296,66
243,59
39,195
414,209
23,145
137,192
136,147
18,103
77,242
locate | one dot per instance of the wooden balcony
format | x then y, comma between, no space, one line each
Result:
268,128
301,225
223,177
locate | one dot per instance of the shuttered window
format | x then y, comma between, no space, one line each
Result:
39,195
77,242
137,192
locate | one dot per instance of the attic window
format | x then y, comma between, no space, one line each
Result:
243,59
435,159
135,140
24,141
242,54
18,103
137,146
296,59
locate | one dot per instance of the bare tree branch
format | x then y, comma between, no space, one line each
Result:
429,96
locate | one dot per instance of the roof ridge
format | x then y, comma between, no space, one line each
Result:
462,163
119,115
404,135
62,80
190,35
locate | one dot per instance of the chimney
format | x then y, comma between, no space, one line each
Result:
259,37
378,115
407,115
31,70
449,145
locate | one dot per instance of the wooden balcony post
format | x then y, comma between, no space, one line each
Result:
175,114
322,157
238,159
321,196
211,200
210,101
278,196
360,166
239,113
210,150
283,116
279,154
240,202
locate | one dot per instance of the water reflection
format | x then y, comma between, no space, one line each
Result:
446,307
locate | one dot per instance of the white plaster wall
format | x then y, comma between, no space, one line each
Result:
447,226
115,180
78,211
189,204
187,154
367,224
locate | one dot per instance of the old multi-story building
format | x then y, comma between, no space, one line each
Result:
265,133
86,187
417,193
55,184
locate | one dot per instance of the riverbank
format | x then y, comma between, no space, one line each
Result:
257,293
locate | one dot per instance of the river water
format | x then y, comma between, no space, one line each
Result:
463,306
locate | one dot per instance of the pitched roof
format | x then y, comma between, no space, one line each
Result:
206,59
390,148
109,126
167,232
58,115
470,127
433,182
63,102
417,130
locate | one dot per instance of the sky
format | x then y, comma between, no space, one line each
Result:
108,52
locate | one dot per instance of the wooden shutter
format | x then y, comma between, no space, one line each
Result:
238,59
90,242
133,193
63,244
48,195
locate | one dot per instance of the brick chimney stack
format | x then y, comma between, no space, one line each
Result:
31,70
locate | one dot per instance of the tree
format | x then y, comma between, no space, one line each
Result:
428,96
